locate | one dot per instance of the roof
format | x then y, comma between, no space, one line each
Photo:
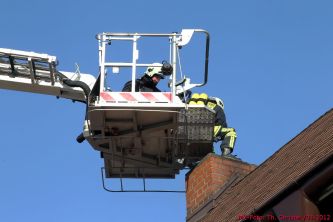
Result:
312,147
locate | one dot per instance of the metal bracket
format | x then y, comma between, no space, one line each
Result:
135,191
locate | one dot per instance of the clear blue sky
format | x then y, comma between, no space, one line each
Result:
270,61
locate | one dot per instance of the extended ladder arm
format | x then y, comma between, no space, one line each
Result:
37,73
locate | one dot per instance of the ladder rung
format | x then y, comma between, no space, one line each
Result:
32,68
11,61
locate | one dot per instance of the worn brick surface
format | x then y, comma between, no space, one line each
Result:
208,177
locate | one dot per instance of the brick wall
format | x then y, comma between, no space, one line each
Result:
208,177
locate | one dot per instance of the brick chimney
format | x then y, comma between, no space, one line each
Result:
208,178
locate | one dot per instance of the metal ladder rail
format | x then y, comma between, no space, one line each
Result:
28,65
37,73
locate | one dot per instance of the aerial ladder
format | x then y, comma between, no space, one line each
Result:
139,134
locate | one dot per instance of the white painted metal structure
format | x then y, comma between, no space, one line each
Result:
139,134
37,73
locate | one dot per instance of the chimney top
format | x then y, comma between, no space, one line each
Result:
208,178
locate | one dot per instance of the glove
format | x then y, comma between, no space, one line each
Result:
166,68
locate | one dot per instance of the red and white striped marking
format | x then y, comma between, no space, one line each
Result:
137,97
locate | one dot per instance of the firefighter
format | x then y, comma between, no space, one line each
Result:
152,76
221,130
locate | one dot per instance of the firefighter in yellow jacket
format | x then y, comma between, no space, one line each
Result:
221,130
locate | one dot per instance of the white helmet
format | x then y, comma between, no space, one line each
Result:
156,69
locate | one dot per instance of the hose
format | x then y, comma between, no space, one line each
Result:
86,91
80,84
80,138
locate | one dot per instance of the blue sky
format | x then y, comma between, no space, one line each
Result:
270,61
